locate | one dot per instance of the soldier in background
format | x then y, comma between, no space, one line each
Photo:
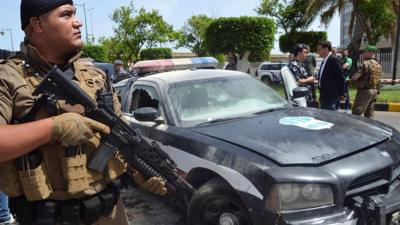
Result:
310,63
347,63
119,72
367,81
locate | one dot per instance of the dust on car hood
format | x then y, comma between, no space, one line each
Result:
281,137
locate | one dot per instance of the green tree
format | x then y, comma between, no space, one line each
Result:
311,38
192,34
96,52
115,49
136,29
289,17
381,20
155,53
243,36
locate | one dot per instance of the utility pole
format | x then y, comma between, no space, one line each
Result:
396,47
91,23
86,27
11,36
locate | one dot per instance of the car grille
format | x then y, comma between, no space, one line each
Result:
396,170
370,182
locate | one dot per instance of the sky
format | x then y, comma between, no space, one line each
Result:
174,12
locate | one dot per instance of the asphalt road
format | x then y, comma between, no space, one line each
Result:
147,209
391,118
144,208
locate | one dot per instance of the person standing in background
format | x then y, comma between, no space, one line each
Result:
367,80
5,216
310,63
330,77
303,79
347,63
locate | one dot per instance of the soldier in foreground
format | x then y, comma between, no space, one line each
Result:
41,169
367,81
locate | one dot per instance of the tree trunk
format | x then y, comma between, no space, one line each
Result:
243,64
355,43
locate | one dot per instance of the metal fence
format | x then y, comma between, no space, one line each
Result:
386,60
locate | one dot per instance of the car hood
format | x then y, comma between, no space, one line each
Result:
299,135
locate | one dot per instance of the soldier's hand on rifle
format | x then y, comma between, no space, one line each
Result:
72,129
154,184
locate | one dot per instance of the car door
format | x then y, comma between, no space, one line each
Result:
290,83
144,95
162,130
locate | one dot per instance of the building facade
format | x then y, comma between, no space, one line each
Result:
385,55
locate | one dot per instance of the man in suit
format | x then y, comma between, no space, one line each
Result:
330,77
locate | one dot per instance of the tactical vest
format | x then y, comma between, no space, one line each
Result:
371,77
56,173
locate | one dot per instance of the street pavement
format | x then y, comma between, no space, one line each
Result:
391,118
144,208
147,209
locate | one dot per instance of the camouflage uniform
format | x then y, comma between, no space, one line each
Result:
367,87
58,177
299,72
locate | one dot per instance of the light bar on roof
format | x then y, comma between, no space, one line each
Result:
174,64
153,65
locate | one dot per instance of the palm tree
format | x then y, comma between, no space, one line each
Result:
328,8
375,18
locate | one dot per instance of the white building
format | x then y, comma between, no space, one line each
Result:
384,45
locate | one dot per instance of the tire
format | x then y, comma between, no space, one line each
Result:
266,79
215,201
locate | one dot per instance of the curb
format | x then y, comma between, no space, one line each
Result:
389,81
381,106
389,107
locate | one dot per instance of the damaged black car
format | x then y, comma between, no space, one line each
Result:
258,159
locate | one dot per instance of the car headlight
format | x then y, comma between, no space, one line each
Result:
293,196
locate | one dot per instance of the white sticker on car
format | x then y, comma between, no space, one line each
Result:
305,122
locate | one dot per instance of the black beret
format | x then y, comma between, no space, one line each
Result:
31,8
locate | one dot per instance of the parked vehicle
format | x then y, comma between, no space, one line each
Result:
256,159
269,72
108,68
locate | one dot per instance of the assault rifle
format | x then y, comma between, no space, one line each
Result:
147,157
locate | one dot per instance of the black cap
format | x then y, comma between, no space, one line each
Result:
118,62
31,8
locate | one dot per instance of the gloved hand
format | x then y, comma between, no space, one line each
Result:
72,129
154,185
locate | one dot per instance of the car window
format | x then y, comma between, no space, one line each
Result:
144,96
265,67
271,67
199,101
121,91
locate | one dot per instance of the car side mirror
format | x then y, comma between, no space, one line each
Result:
146,114
300,92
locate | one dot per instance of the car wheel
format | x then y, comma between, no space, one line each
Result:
266,80
215,203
